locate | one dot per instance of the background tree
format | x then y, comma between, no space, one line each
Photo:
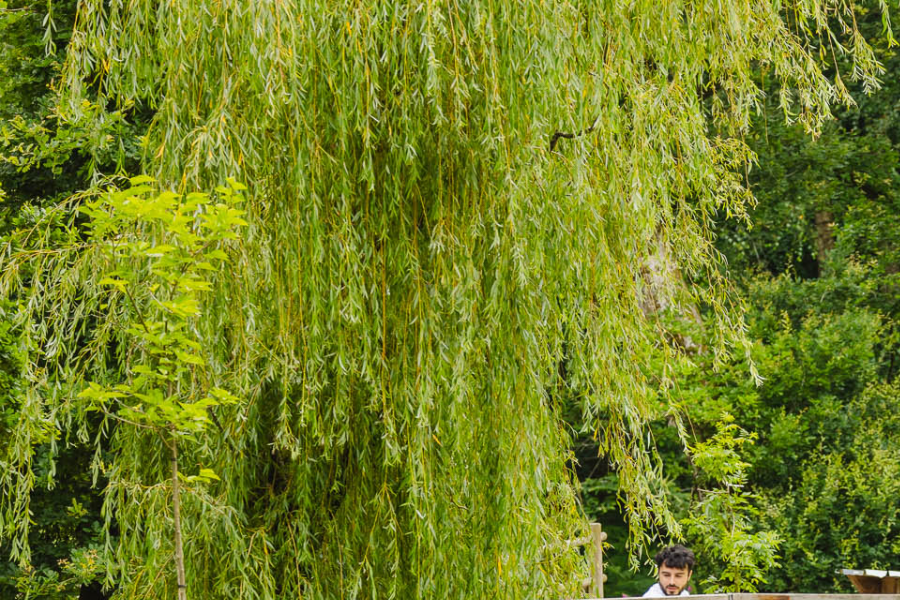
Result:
818,270
825,308
44,159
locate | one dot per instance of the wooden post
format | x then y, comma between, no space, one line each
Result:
597,537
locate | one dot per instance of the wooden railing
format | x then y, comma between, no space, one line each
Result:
593,584
785,596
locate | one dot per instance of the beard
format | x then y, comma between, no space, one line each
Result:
674,590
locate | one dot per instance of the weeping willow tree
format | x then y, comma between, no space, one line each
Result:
450,214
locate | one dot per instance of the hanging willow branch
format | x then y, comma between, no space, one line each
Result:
415,269
570,136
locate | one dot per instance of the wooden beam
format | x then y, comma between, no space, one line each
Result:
784,596
789,596
597,538
865,584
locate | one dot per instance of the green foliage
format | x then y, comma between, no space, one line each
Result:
429,239
820,476
157,252
720,521
825,324
45,157
600,505
25,99
825,464
843,510
64,583
850,175
827,341
850,171
27,32
10,365
67,526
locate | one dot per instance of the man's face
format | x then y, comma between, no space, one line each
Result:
673,579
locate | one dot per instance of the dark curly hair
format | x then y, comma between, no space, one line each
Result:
677,557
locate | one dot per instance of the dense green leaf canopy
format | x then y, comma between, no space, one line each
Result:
448,200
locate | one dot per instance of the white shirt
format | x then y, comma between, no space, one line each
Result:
656,591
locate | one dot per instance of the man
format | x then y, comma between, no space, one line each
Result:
675,563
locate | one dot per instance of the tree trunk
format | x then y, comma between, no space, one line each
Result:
661,277
824,237
176,514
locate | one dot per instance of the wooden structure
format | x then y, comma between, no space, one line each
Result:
598,536
594,584
786,596
874,581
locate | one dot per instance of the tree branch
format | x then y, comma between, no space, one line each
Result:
571,136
